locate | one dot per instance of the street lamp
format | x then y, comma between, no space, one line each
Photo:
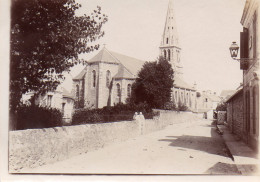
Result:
234,50
244,62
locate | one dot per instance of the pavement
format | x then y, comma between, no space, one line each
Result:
245,159
191,147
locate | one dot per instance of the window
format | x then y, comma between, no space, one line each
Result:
118,90
63,108
49,100
165,54
108,78
94,78
128,90
206,100
118,93
77,92
167,40
169,54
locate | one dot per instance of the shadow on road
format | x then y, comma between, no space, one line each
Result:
213,145
223,168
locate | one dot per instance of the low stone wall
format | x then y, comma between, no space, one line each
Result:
36,147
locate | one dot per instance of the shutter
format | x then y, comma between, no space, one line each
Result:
244,49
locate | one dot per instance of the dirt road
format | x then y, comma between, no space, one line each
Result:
193,147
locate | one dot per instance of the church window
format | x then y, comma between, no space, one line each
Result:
94,78
77,92
128,90
108,78
118,92
169,54
172,27
165,54
167,40
49,100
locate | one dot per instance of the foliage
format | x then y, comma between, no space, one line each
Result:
153,84
119,112
222,107
170,106
30,117
198,94
182,107
46,39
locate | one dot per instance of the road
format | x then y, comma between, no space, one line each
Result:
192,147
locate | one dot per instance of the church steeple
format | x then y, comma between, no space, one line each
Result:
170,47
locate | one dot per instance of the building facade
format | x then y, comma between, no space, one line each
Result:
106,80
249,48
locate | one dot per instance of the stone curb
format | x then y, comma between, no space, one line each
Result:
221,132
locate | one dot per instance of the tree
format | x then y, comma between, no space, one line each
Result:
153,84
46,39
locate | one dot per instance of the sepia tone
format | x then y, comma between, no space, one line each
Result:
199,131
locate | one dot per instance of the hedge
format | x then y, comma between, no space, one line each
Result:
119,112
32,117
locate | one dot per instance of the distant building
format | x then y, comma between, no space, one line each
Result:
60,99
225,94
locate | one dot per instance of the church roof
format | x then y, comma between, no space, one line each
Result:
123,73
80,75
128,68
104,56
133,65
180,83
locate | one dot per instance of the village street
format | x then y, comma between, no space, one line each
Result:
191,147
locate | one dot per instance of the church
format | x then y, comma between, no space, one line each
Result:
108,77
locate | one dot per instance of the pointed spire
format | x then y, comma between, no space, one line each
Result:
170,35
170,47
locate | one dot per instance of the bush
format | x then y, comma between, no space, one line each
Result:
170,106
182,107
119,112
32,117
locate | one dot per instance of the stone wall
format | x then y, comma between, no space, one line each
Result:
36,147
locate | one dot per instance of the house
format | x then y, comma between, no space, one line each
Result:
60,99
246,100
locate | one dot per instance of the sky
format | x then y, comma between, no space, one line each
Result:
206,29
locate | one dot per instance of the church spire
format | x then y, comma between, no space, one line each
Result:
170,47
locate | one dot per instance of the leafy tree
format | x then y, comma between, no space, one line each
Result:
154,84
46,39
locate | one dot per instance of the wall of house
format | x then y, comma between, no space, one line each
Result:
250,78
235,115
36,147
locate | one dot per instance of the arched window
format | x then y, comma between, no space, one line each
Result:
129,90
118,89
169,54
167,40
94,78
108,78
165,54
77,92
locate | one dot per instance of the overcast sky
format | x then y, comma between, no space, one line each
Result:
206,29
